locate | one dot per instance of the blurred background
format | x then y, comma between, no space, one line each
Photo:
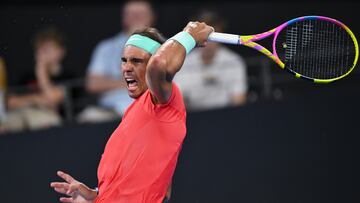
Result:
255,133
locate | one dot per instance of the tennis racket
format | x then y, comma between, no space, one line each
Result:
316,48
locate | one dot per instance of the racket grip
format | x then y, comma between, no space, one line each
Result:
224,38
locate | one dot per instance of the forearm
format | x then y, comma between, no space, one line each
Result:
168,59
162,67
98,84
88,193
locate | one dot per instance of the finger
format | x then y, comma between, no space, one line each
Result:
65,176
60,190
60,185
193,24
66,199
202,44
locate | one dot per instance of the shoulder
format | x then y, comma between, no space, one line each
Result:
171,111
175,91
173,99
176,100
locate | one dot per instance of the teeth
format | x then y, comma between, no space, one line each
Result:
132,84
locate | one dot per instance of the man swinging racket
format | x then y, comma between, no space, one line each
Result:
141,155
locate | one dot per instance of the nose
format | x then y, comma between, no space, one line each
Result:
127,67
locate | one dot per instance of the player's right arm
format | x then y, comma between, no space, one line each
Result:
168,59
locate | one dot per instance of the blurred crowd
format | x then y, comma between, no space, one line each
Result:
211,77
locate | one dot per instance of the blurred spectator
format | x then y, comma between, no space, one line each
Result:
2,94
38,107
104,72
213,76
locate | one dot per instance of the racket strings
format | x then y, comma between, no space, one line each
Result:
316,49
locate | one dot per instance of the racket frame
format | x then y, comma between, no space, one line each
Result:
249,41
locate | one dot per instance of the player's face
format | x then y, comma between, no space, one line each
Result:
133,67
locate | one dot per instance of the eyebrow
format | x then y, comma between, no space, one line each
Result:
132,59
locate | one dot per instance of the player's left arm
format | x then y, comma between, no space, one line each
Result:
168,59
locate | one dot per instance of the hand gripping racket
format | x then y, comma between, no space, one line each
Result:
316,48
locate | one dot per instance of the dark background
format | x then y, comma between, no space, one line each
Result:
303,151
298,147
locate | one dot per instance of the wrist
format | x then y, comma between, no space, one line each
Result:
87,193
94,193
185,39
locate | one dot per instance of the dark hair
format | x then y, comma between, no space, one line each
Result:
49,34
152,33
211,17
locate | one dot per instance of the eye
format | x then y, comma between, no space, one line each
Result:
136,60
123,60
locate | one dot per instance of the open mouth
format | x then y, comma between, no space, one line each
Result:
131,84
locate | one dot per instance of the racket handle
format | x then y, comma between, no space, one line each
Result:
224,38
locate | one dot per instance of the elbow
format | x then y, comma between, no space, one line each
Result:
157,63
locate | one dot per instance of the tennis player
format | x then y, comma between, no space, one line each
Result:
141,155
